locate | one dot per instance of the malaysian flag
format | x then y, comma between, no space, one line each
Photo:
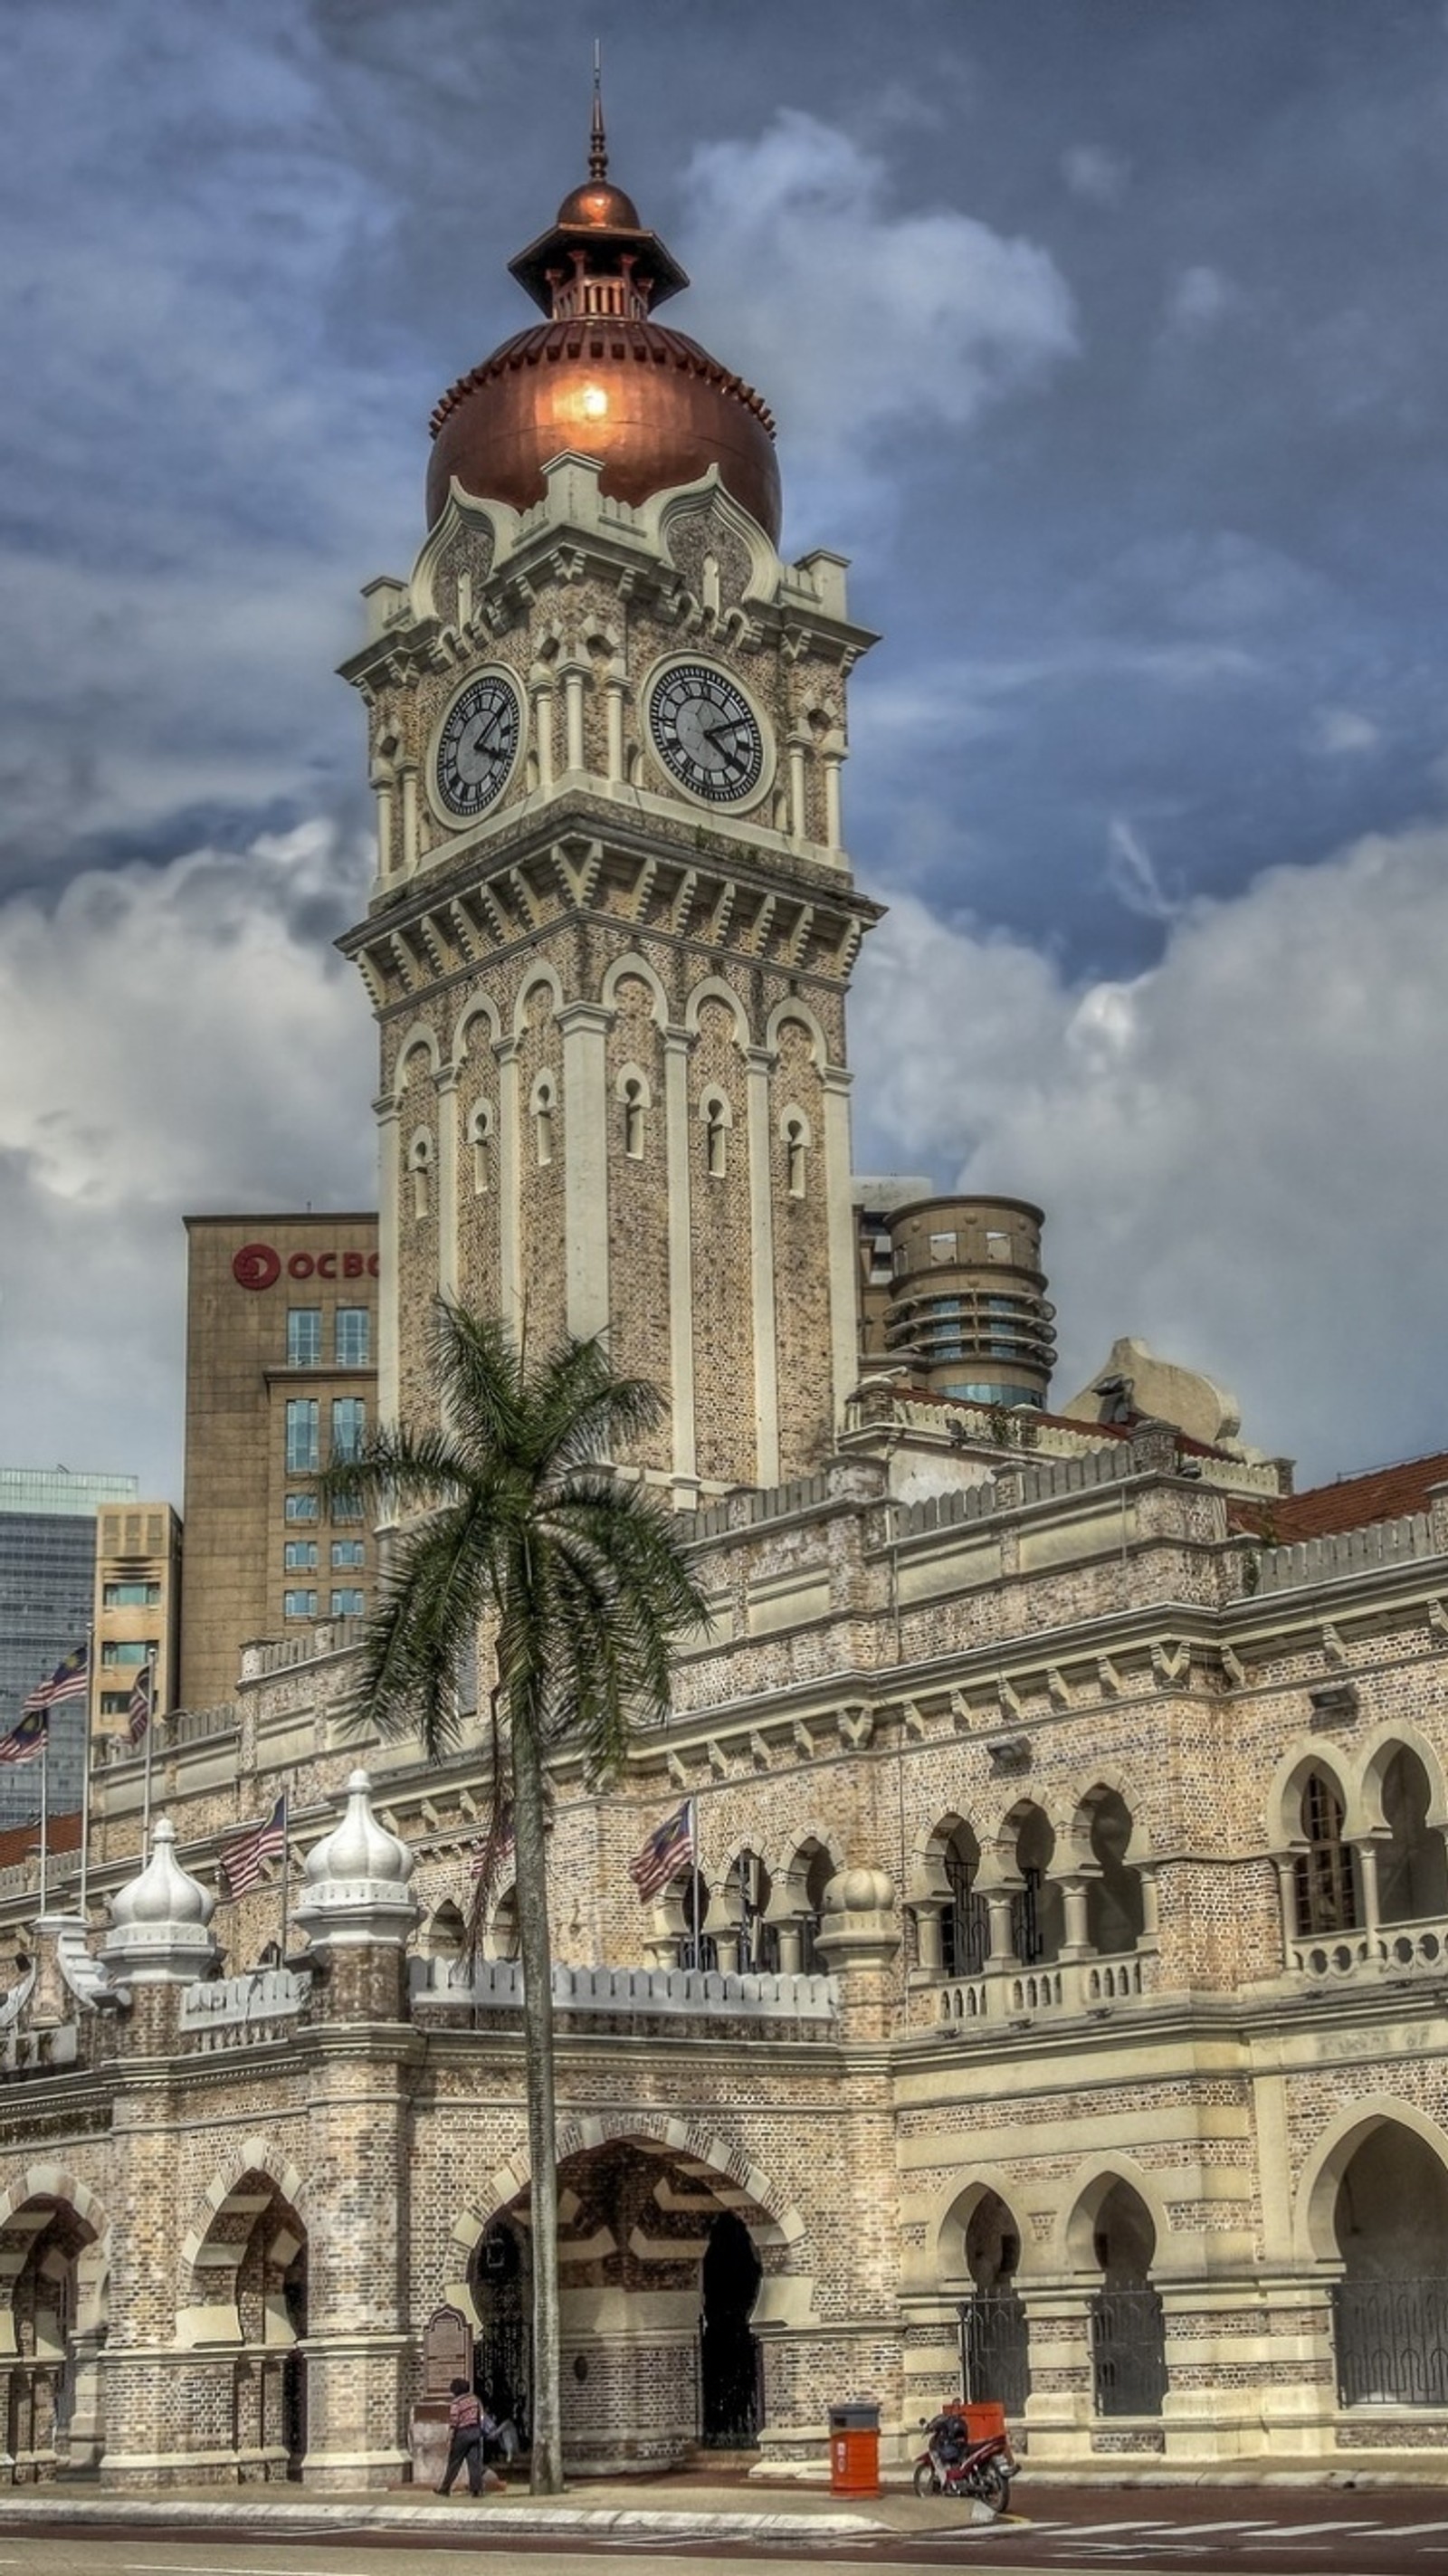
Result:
28,1736
139,1705
70,1680
241,1861
669,1846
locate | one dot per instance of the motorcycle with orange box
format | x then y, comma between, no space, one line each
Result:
967,2453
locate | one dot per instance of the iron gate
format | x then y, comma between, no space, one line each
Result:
1391,2342
1128,2352
995,2350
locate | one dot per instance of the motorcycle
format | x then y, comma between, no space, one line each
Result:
965,2458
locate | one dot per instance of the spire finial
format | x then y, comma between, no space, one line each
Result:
597,144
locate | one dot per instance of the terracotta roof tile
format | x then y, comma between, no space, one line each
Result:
1382,1494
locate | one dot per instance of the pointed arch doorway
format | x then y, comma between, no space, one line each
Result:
730,2382
503,2337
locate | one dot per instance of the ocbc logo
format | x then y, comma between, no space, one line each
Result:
257,1265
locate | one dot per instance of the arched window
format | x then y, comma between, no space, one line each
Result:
1390,2309
965,1919
1324,1880
714,1111
1412,1875
503,1931
544,1102
1115,1916
419,1164
1037,1908
633,1094
750,1888
480,1137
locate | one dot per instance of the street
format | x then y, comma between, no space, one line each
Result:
1301,2531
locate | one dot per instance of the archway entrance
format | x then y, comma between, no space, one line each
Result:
730,2409
249,2325
54,2327
1128,2334
1390,2309
994,2349
503,2342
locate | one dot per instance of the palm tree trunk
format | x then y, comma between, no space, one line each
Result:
537,1953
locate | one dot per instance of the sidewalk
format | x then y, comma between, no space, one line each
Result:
678,2508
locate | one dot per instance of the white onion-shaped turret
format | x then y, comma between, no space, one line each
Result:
356,1880
159,1920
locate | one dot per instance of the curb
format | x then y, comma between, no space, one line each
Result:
18,2512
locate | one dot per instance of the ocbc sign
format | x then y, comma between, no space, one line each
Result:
259,1265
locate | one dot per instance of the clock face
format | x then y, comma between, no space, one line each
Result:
706,733
478,745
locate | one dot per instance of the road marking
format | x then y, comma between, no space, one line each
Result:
1410,2530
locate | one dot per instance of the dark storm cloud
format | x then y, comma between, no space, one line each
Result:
1103,333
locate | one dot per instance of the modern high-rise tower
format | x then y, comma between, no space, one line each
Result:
613,922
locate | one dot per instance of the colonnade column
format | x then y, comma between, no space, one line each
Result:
585,1027
840,1217
510,1263
677,1044
447,1183
388,1357
759,1064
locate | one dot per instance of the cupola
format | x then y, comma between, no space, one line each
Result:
356,1879
600,377
159,1920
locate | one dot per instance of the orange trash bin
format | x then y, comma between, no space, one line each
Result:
855,2449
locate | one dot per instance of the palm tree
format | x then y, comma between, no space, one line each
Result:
512,1523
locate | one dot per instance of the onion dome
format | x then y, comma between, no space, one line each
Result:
599,377
356,1878
159,1919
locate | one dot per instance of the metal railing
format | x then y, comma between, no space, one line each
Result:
995,2353
1128,2352
1390,2339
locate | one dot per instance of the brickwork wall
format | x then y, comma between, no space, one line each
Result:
722,1239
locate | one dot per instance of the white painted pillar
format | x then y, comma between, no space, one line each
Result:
407,772
510,1194
388,1356
573,681
383,790
541,685
840,1220
447,1184
760,1063
834,762
585,1027
798,810
677,1046
616,685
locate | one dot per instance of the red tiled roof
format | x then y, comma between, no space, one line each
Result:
17,1842
1383,1494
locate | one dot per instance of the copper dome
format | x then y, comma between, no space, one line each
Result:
601,378
651,405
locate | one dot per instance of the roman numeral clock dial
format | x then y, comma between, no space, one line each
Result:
477,746
706,733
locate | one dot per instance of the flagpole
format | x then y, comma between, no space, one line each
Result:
693,1805
150,1734
44,1806
85,1776
286,1869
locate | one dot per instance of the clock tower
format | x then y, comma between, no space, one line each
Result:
613,921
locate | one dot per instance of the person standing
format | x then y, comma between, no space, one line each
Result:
465,2443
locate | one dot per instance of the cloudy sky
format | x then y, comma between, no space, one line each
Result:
1104,335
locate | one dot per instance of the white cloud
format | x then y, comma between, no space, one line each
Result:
1198,299
1090,171
171,1039
1340,731
1243,1154
1131,873
852,317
